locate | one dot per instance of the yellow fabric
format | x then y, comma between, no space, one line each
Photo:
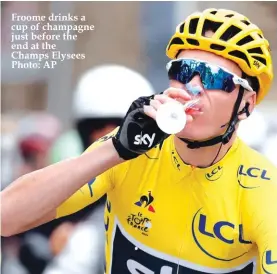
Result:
184,38
166,217
88,195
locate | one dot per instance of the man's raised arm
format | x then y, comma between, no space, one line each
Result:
32,199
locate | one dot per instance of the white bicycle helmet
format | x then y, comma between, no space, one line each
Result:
108,91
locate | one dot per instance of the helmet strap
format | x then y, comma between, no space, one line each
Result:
226,137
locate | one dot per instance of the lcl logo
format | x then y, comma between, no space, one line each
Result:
253,172
218,227
215,174
269,264
223,232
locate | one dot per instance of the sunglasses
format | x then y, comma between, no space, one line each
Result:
212,76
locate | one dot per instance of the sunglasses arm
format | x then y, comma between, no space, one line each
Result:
244,83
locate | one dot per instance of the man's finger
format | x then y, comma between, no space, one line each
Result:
155,104
163,98
150,111
177,93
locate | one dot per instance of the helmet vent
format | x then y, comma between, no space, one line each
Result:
245,40
240,55
217,47
193,25
210,25
213,12
229,15
260,36
262,60
245,22
193,42
230,33
181,29
176,41
255,50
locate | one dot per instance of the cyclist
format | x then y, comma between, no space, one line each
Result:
200,201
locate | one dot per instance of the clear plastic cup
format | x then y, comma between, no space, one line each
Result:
171,117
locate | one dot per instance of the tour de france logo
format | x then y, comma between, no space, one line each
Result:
140,222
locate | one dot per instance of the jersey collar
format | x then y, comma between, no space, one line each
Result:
182,170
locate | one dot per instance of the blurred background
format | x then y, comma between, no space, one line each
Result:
45,114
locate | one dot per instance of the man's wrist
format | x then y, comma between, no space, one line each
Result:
123,152
114,155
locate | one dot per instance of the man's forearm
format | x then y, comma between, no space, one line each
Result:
36,194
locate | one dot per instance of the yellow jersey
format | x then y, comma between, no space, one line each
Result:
165,217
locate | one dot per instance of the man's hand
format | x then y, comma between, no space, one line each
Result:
170,94
139,131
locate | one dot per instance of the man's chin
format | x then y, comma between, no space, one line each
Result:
194,135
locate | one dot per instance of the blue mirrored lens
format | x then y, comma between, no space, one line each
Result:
212,77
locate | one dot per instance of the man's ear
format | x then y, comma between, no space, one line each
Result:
247,105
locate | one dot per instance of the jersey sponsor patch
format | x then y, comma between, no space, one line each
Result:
131,257
145,139
175,161
269,262
224,233
215,174
253,173
146,201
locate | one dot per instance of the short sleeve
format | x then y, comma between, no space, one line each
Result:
91,191
261,210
